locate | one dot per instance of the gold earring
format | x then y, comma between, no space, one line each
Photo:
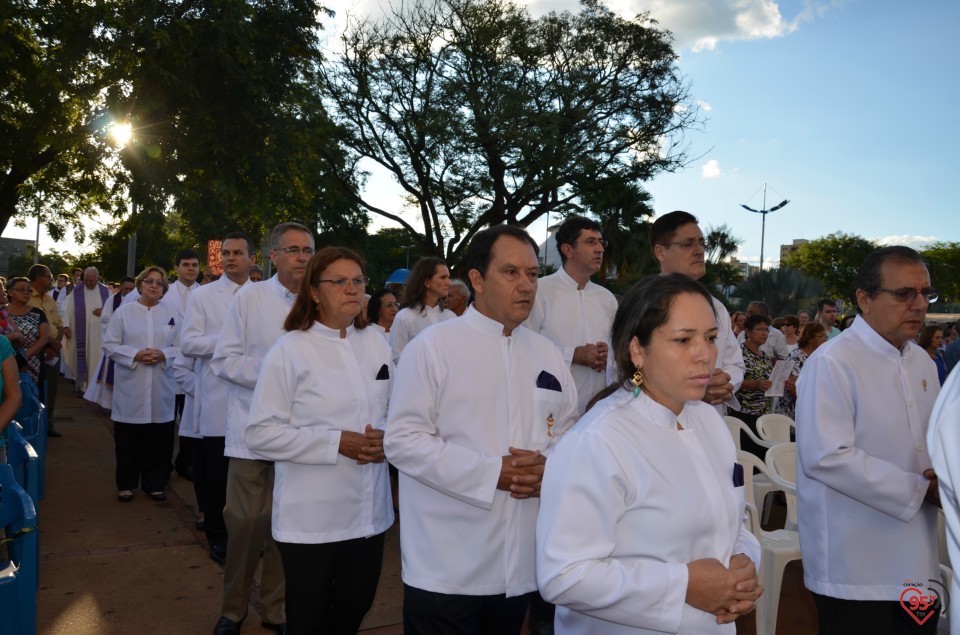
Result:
637,381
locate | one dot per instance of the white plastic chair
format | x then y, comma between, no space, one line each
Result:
775,428
761,484
780,547
782,464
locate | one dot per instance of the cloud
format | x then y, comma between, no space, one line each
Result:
705,106
915,242
711,170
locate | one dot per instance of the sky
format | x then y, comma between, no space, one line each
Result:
840,106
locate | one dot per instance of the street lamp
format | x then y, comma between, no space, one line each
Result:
408,248
764,211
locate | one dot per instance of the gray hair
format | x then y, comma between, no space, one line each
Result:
282,229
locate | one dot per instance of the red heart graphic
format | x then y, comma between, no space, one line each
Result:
918,602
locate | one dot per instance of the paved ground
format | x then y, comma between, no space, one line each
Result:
141,567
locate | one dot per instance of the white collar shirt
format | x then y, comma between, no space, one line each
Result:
142,393
409,322
253,324
628,500
177,295
204,319
313,386
464,394
862,413
570,317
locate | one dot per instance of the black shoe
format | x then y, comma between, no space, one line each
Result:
278,628
124,498
226,627
218,554
158,496
54,434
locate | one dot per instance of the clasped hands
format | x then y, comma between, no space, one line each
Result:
149,356
521,473
593,356
725,592
363,448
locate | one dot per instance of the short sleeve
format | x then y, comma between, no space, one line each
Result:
6,349
42,319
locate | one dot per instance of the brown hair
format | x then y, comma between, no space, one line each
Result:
415,290
809,331
305,311
925,339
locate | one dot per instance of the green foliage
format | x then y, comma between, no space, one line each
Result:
57,59
943,260
721,244
484,115
386,251
832,260
785,291
55,261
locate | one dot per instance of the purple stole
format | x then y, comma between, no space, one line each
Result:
106,369
80,332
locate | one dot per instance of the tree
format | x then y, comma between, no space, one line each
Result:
720,245
785,291
833,260
485,115
943,260
55,261
57,59
227,120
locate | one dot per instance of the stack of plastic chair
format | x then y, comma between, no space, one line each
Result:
780,547
761,484
782,462
23,459
18,575
776,428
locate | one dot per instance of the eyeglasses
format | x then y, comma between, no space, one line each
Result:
395,305
152,283
909,294
341,283
306,251
689,244
593,242
19,289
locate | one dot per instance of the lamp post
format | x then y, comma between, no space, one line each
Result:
763,212
408,247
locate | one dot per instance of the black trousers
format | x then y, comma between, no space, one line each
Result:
214,476
429,613
143,453
185,451
843,617
330,586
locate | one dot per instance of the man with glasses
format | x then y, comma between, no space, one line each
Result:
679,247
253,323
575,313
867,496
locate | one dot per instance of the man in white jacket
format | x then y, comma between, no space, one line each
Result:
476,403
253,324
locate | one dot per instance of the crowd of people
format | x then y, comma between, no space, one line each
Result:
555,453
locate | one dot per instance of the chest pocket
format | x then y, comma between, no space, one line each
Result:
547,406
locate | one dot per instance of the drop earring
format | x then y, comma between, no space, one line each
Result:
637,381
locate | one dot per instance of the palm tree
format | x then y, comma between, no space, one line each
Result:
785,291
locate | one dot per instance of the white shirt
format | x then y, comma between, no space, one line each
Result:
107,311
177,295
943,439
571,317
862,413
142,393
382,331
409,322
463,395
206,313
253,324
729,355
185,371
628,500
313,385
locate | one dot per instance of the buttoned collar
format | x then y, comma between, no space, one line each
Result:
656,413
279,289
329,333
875,341
486,325
569,282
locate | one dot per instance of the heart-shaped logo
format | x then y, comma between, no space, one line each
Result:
919,605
